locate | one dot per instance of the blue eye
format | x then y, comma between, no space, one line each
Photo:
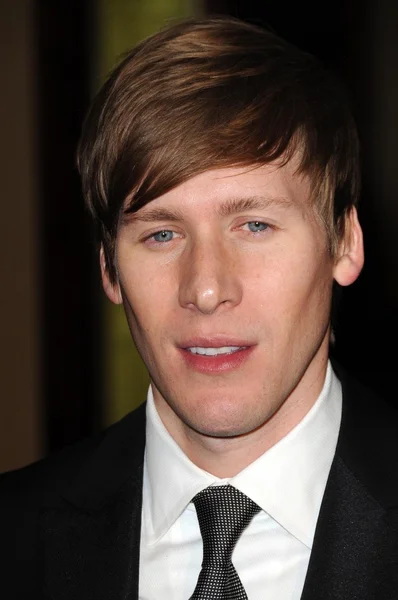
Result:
163,236
257,226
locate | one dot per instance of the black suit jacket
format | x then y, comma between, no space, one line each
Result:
70,525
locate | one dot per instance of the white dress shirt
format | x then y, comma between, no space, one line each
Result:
287,482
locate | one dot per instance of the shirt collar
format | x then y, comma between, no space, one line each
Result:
289,489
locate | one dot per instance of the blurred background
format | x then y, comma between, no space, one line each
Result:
68,366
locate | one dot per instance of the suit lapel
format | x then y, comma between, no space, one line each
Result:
350,542
91,539
354,554
93,555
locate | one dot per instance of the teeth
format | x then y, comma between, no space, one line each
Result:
213,351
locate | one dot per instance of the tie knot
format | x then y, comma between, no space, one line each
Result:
223,513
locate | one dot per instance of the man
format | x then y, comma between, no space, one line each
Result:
221,167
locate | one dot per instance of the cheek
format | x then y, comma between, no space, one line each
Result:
291,286
310,301
146,300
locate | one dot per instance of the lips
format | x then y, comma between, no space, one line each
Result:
215,354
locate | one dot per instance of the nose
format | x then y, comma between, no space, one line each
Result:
209,278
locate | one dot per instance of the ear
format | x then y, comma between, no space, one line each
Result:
350,257
112,290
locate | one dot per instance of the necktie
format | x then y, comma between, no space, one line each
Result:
223,513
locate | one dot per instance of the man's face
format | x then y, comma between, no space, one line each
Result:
226,282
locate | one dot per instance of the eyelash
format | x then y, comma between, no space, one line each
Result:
151,238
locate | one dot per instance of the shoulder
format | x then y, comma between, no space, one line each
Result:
368,440
42,482
41,478
365,409
81,477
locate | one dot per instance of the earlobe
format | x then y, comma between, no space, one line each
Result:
112,290
351,252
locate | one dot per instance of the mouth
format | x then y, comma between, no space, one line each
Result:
214,351
215,356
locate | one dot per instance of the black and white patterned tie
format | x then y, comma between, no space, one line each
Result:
223,513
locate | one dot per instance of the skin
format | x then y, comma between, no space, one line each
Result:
245,256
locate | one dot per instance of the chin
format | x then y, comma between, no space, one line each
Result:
221,433
225,427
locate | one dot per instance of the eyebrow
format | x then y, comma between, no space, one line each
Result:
233,206
227,208
149,215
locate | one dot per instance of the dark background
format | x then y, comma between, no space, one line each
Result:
358,40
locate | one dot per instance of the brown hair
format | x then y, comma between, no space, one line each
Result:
213,93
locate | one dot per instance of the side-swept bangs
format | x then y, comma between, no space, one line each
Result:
209,94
